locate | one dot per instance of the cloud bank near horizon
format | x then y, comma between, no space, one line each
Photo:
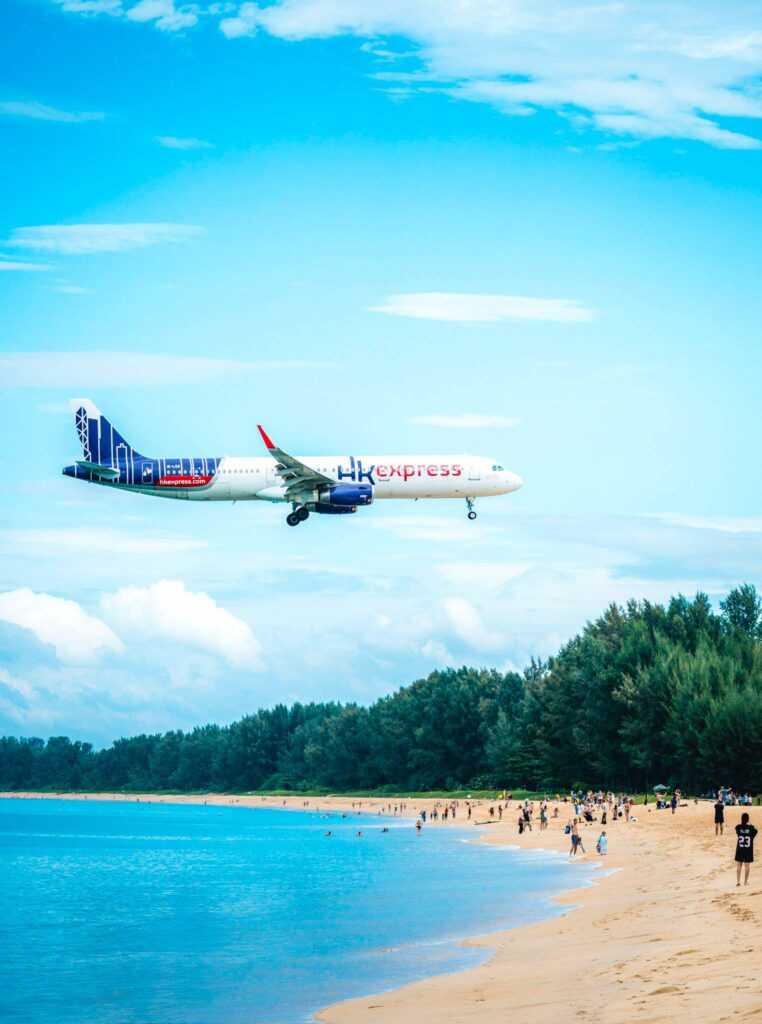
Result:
169,652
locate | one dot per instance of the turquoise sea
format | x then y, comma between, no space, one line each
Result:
142,913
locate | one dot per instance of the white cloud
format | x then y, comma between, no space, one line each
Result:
14,265
41,112
437,652
20,703
244,23
164,14
75,635
454,528
469,308
633,70
627,69
468,626
14,685
72,289
466,421
175,142
482,575
103,541
727,524
123,369
166,610
91,6
75,239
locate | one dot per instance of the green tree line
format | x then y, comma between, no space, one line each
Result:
647,693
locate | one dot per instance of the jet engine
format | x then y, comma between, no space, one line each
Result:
345,495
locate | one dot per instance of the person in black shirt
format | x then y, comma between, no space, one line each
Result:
744,848
719,817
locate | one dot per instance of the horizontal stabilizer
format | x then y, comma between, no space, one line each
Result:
107,472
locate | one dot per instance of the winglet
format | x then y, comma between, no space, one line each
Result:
268,443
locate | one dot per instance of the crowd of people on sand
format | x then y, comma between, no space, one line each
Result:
601,809
730,798
583,809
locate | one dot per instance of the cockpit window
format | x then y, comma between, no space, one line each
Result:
498,469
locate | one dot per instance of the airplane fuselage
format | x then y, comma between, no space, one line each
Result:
242,478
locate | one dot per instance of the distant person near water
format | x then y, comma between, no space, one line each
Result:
744,848
719,817
576,839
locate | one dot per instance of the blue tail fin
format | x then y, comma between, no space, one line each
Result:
102,444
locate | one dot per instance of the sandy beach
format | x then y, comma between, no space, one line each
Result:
666,936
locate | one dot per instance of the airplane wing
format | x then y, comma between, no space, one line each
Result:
300,480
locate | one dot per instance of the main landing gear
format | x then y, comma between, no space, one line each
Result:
298,516
470,507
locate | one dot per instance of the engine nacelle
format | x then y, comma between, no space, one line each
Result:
345,495
334,510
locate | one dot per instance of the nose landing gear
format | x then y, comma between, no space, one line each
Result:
470,507
299,515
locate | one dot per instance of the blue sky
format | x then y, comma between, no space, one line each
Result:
319,216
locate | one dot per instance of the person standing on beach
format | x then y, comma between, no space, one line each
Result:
744,848
719,817
576,839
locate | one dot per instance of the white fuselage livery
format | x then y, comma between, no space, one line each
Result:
239,478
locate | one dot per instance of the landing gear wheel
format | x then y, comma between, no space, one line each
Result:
293,519
470,507
303,513
472,514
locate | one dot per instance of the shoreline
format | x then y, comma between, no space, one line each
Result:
662,935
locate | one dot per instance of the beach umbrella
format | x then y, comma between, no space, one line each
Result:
660,789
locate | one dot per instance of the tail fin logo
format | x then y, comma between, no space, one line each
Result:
80,420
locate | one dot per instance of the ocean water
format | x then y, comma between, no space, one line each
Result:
141,913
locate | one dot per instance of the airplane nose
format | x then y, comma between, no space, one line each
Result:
514,481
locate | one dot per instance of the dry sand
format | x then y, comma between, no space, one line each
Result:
667,937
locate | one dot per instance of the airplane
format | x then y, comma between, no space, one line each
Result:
324,484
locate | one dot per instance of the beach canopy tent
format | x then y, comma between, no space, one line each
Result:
660,789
